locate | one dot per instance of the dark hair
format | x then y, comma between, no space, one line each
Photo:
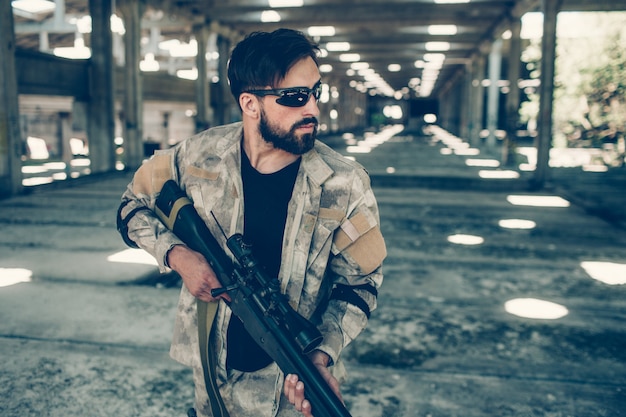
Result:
264,58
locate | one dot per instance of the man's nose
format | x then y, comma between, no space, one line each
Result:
312,106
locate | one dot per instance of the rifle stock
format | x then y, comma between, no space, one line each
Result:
256,299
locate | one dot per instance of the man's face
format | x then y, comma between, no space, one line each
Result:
292,129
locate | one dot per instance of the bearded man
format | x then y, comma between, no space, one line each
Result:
308,213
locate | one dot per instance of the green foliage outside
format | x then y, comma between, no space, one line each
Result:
590,82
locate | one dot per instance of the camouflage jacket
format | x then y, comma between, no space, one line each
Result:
332,235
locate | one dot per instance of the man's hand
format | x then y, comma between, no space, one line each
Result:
294,388
195,271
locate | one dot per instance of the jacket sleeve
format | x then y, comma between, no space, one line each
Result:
355,268
136,222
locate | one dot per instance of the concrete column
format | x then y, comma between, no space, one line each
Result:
10,136
448,111
228,105
466,104
443,110
513,98
361,102
493,92
44,44
343,105
101,111
166,130
478,100
65,134
329,106
336,104
550,9
457,112
351,100
203,101
132,118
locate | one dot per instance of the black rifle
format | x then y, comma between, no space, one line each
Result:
283,333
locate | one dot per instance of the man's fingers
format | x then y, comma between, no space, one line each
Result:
299,395
294,390
291,383
306,408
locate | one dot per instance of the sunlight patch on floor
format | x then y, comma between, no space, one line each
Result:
461,239
498,174
134,256
610,273
517,224
537,200
12,276
533,308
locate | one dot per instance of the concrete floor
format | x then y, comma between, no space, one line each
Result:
89,337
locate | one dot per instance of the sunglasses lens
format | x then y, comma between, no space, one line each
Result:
293,99
299,97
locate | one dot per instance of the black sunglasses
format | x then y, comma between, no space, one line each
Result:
293,96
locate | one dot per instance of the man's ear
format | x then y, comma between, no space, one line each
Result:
250,105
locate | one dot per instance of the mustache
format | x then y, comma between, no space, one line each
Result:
306,121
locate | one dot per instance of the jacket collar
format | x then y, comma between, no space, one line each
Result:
316,168
230,135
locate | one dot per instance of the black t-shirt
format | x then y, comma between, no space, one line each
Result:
266,198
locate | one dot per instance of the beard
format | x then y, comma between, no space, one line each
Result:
288,141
